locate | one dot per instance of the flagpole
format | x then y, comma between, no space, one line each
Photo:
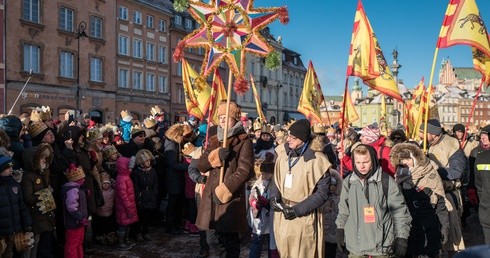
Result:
326,110
210,110
342,149
225,133
429,89
471,114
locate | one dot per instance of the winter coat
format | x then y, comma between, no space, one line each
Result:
392,219
107,209
14,215
482,183
230,216
145,184
176,167
34,180
302,236
383,152
74,205
128,149
424,194
125,200
331,210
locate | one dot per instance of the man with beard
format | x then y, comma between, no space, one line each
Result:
264,144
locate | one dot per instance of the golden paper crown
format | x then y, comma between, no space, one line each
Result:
156,110
46,113
136,129
331,131
126,116
257,125
149,122
94,134
318,128
266,128
289,124
74,173
36,128
188,149
36,115
280,134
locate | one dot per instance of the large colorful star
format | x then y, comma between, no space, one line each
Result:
228,29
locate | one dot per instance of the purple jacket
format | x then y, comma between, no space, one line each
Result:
74,205
107,209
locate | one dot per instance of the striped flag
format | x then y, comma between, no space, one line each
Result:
258,103
218,93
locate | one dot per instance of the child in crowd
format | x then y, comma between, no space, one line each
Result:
260,214
104,221
330,212
125,201
110,156
74,211
145,181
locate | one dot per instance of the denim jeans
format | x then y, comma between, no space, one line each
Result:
256,245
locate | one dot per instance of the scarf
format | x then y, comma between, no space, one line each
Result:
235,130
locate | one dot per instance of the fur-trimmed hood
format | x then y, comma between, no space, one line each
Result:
180,133
407,150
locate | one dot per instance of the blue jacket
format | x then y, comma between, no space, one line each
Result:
14,215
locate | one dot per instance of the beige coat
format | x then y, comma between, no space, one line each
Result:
301,237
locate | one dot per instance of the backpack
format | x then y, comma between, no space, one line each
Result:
384,184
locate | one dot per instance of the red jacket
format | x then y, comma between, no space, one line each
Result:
383,152
126,213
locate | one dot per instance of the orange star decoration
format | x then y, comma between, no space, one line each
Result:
228,29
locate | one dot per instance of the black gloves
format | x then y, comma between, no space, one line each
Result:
400,247
289,213
224,153
201,179
340,239
276,205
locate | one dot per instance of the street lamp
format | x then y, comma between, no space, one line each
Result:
80,34
396,114
279,85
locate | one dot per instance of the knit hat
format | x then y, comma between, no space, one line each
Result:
370,133
459,127
5,162
433,127
235,111
301,130
12,125
74,173
117,138
109,151
486,129
105,177
37,130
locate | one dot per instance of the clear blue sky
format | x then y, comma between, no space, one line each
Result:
321,30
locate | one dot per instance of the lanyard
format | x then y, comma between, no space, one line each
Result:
296,161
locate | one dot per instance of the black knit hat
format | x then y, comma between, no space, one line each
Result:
486,130
301,130
433,127
459,127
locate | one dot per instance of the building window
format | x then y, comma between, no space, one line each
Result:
179,68
123,78
31,11
66,64
123,13
137,48
150,51
66,19
123,45
178,20
180,95
162,84
32,57
188,24
149,21
150,82
137,17
162,55
96,26
162,26
137,80
96,69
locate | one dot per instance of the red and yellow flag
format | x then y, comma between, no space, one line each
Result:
463,25
366,59
196,98
350,115
412,108
218,93
312,96
258,103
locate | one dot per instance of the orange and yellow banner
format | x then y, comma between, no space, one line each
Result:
196,97
350,115
312,96
258,103
366,59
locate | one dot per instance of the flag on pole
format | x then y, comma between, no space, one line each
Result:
196,98
218,93
350,115
312,96
366,59
413,106
463,25
258,103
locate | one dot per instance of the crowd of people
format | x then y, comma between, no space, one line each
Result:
297,190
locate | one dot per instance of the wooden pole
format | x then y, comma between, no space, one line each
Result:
225,131
429,90
342,149
326,110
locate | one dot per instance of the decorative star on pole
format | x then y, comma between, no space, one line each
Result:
228,29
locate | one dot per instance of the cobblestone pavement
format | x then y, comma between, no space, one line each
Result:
186,246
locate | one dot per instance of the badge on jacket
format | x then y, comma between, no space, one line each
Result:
15,189
38,181
369,215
